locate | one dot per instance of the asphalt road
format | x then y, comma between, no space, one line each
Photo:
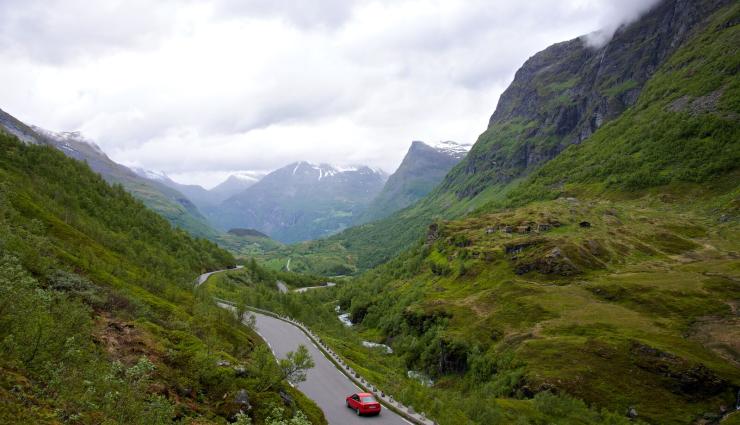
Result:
202,278
308,288
282,287
324,383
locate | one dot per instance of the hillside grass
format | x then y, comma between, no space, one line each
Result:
638,310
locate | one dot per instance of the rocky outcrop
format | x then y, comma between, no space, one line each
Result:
678,374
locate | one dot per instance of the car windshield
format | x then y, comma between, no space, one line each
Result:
367,399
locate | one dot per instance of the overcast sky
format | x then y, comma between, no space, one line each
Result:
201,89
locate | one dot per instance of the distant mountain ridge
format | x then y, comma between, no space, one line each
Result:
422,169
235,184
302,201
206,200
168,202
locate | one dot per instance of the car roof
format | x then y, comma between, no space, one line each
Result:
364,394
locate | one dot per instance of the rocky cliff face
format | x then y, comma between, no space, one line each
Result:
421,170
563,94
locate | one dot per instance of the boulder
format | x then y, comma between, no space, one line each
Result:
287,399
242,398
584,224
523,229
240,371
632,413
432,233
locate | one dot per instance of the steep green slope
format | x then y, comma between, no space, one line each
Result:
100,323
563,96
166,201
684,128
635,308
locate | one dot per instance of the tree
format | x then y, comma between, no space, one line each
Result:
277,417
242,419
293,367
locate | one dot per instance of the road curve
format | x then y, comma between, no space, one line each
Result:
324,384
202,278
308,288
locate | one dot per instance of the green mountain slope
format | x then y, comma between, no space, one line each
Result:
166,201
99,320
610,273
561,97
636,310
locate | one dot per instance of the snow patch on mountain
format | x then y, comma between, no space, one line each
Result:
67,137
454,149
252,176
151,175
324,171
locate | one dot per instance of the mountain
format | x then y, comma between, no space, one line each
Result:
236,183
560,98
580,265
302,201
99,320
199,196
421,170
151,190
204,199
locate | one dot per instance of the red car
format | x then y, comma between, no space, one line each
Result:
363,404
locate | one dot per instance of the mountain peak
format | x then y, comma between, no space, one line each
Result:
67,137
151,175
324,170
422,169
448,147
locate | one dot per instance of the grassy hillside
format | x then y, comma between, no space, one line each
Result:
100,323
636,309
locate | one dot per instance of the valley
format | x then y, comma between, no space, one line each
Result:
578,264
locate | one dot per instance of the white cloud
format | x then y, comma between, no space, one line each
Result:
198,89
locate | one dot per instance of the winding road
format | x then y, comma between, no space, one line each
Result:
202,278
325,384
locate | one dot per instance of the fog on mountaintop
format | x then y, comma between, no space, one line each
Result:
200,89
622,13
